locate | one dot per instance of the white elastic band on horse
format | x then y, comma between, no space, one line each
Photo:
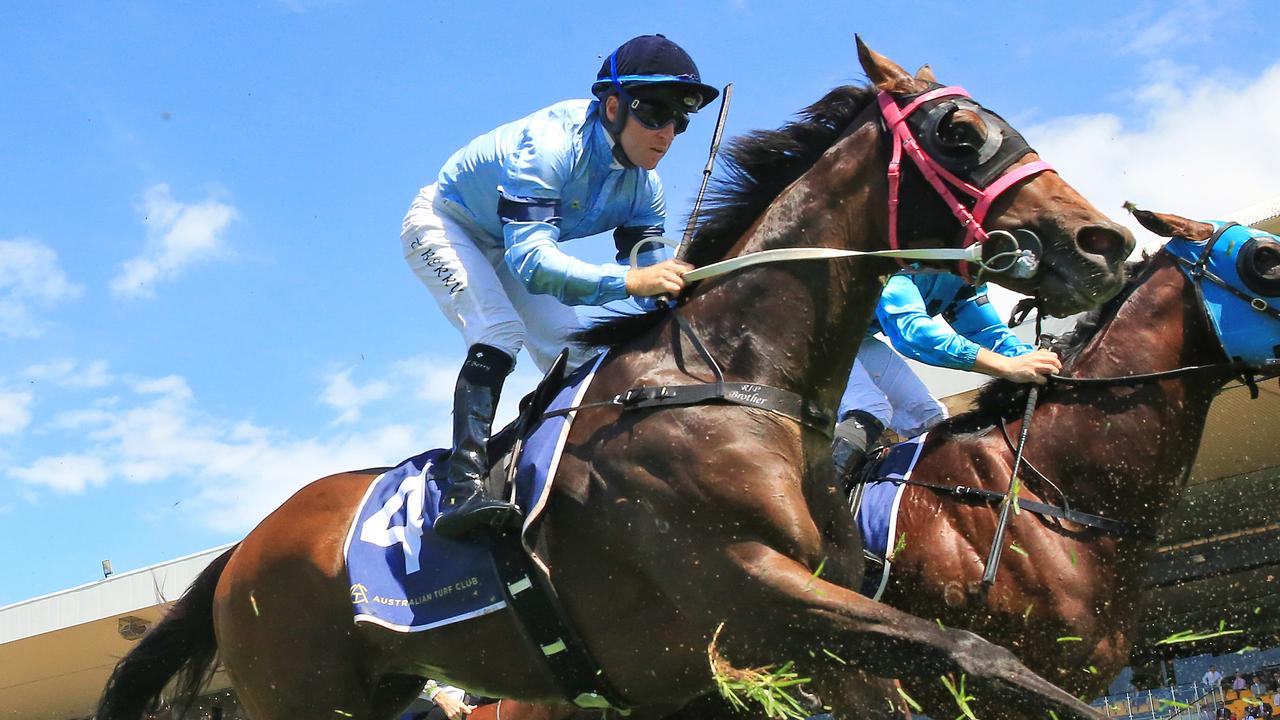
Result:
972,254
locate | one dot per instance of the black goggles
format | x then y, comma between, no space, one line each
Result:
656,114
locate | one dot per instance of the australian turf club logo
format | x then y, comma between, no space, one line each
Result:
359,594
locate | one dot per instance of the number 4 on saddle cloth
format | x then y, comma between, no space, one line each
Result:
405,577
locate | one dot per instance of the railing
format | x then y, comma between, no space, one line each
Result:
1176,701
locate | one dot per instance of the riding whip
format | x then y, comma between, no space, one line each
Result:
1010,497
725,95
663,301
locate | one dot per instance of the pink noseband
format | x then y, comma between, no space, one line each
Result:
895,118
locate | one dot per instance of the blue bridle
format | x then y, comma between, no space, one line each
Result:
1246,321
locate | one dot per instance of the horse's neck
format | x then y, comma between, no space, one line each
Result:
1129,448
797,325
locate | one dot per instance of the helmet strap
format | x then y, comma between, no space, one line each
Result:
620,117
615,132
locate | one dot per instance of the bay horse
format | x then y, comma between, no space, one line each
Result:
664,525
1120,450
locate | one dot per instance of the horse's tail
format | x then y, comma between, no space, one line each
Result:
181,645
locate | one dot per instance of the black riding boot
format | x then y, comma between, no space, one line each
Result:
853,436
465,506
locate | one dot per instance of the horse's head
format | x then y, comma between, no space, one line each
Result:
1237,271
1039,235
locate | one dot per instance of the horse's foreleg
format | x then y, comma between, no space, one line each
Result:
856,695
791,613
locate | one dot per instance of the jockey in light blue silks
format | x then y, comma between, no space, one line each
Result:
483,238
884,392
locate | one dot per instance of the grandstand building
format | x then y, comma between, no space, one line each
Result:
1218,563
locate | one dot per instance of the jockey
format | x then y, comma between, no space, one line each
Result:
884,392
484,237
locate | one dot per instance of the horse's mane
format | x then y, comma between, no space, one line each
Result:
756,168
1005,399
761,164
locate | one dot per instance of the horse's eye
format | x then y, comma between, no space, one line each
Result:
962,132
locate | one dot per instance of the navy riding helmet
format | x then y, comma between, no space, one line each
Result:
656,82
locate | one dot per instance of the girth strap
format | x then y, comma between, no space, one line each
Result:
753,395
538,609
761,397
1067,512
991,497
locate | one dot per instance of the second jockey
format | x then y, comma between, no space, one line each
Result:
484,237
938,319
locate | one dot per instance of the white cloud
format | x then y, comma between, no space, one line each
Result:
70,473
430,379
343,394
30,279
1201,149
70,374
15,411
255,478
86,417
154,431
423,381
178,235
1176,24
250,470
173,387
237,471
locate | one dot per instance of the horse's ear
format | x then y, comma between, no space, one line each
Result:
1168,225
925,75
885,74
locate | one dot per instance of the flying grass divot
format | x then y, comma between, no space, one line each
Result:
766,686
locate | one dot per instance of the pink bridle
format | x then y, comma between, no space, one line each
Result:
896,120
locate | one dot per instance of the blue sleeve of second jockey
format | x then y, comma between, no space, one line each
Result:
975,319
530,212
908,320
913,331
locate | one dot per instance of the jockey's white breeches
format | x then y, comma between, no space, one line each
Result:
478,293
883,385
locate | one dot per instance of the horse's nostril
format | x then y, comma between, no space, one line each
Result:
1113,243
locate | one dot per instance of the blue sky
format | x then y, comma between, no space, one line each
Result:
202,299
